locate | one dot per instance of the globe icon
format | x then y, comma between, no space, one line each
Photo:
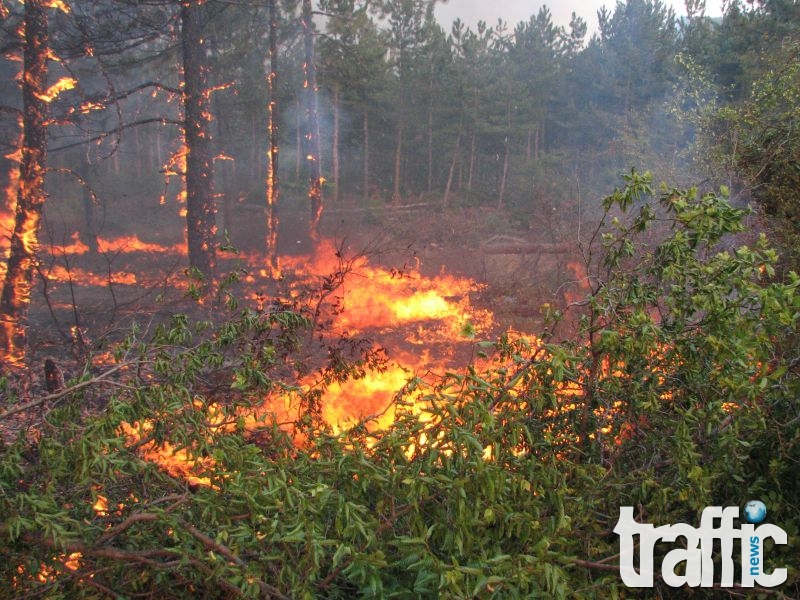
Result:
755,511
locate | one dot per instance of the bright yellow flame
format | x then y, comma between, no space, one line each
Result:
62,85
59,4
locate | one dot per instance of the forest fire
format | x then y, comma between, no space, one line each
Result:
423,323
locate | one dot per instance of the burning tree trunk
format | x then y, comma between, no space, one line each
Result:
272,153
16,293
312,142
200,210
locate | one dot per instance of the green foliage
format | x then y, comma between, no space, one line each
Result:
502,480
757,141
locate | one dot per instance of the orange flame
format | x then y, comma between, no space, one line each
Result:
59,4
62,85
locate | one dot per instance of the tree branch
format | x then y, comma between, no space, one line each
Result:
117,130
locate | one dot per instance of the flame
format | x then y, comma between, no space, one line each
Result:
387,299
132,243
424,320
581,285
100,506
88,278
62,85
59,4
178,462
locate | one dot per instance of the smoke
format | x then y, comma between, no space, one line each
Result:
514,11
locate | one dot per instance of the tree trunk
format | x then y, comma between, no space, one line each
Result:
507,150
398,159
528,144
298,142
272,152
200,210
471,161
430,130
365,182
456,152
503,176
15,298
335,144
312,146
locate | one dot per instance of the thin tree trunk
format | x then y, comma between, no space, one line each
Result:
471,161
528,144
365,182
15,298
430,130
273,189
200,210
137,152
456,152
540,138
335,144
312,123
504,175
398,157
298,133
89,234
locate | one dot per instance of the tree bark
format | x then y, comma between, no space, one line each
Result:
273,189
312,141
471,161
456,153
200,209
506,152
365,173
398,161
335,144
430,129
15,298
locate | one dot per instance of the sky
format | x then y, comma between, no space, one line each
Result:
514,11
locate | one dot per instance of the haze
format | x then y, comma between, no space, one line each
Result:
514,11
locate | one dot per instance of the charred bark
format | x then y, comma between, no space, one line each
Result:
15,298
312,141
200,208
